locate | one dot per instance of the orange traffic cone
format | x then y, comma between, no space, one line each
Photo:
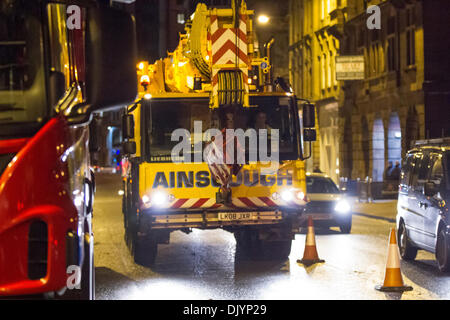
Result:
310,255
393,281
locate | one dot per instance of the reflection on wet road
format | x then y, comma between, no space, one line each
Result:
202,264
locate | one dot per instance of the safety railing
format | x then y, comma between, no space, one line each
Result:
367,190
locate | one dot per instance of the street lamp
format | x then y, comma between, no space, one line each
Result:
263,19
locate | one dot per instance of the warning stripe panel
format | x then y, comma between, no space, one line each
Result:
222,35
268,202
229,52
179,203
247,202
200,203
238,202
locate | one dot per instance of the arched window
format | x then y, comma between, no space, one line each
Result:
378,150
394,138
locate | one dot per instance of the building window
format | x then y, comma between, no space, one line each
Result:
308,84
333,68
365,53
391,53
323,9
329,6
372,61
361,38
410,38
329,69
374,35
391,25
410,47
324,71
180,18
381,58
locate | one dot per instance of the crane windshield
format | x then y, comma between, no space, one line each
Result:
272,114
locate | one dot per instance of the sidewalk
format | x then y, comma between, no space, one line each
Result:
379,209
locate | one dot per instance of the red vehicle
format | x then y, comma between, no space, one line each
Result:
59,62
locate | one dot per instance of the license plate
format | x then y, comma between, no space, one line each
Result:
235,216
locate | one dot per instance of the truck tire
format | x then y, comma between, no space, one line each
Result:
443,251
87,282
145,250
407,250
275,250
142,248
249,246
87,290
346,226
127,219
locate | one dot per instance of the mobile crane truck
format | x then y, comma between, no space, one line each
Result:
215,79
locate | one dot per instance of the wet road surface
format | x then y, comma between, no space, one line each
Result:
202,265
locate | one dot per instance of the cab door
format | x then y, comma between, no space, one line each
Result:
416,208
404,190
433,211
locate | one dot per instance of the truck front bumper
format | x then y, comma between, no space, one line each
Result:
15,254
217,219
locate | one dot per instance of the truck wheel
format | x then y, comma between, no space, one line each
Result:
87,284
443,251
88,275
275,250
346,227
129,221
407,250
248,245
145,250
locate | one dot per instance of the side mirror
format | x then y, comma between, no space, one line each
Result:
110,58
430,189
309,135
129,147
309,116
127,126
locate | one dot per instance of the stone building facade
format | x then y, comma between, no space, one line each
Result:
405,94
312,54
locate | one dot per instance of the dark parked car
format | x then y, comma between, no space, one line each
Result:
327,205
423,217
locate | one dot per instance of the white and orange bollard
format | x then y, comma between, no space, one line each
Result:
393,280
310,255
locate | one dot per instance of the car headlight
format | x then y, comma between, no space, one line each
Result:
342,207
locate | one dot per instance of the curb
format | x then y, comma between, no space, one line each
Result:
374,217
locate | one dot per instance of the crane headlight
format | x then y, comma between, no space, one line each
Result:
145,80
